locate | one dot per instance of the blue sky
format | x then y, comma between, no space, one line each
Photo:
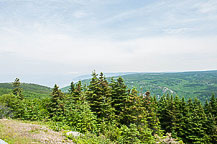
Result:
41,38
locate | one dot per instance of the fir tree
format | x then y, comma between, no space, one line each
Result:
56,104
99,97
77,94
72,88
151,106
17,91
119,96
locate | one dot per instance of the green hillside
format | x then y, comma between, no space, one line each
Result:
200,84
188,84
29,90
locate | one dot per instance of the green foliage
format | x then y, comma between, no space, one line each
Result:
28,90
119,96
56,104
130,134
14,103
200,84
36,110
134,111
107,112
17,91
79,116
99,98
90,138
4,111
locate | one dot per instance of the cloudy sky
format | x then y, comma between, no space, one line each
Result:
43,40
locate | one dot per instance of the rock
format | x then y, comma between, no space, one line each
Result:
2,142
73,133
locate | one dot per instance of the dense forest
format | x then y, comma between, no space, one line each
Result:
194,84
107,111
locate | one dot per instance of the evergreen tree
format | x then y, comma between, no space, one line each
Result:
72,88
119,96
195,131
136,114
17,91
78,114
134,110
164,113
151,106
213,106
99,97
77,94
56,104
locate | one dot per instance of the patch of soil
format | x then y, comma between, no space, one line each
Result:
36,132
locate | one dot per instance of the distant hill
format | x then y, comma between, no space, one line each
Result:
200,84
29,90
87,77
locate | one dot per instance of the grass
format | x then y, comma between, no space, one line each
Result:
11,136
27,132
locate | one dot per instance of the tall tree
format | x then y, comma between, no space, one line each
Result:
99,97
56,106
118,94
151,106
72,88
17,91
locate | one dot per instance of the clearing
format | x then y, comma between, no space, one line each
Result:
19,132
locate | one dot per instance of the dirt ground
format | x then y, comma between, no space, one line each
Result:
33,133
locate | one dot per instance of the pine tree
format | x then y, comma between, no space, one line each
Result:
78,114
211,124
195,129
56,105
135,113
17,91
213,106
77,94
151,106
119,96
72,88
181,117
164,113
134,110
99,97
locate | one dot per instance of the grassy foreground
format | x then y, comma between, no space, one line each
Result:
20,132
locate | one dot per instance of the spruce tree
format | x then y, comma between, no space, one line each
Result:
134,111
72,88
17,91
151,106
77,94
119,95
99,97
56,105
195,129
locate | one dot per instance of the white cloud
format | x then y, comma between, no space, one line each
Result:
82,35
207,6
80,14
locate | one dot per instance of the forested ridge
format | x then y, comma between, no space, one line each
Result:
194,84
29,90
109,112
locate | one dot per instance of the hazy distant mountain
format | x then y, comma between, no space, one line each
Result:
200,84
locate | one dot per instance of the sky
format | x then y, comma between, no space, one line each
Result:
52,41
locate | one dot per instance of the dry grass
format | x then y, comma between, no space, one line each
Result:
17,132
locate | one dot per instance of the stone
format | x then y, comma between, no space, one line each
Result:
2,142
73,133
